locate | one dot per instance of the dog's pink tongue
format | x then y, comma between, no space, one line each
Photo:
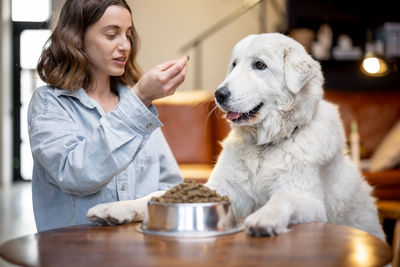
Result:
233,115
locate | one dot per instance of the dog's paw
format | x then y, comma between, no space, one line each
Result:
115,213
266,223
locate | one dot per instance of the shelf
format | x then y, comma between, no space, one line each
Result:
355,19
347,75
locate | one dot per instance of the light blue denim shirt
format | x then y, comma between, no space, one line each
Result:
84,156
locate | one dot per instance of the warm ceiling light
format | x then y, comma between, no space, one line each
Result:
371,65
374,66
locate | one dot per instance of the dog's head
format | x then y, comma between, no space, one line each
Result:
272,86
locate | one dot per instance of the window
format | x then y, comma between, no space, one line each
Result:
31,44
30,10
30,33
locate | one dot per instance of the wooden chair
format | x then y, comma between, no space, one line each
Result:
391,210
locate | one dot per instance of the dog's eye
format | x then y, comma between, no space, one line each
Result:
233,64
260,65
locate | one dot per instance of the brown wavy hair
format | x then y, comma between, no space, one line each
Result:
63,63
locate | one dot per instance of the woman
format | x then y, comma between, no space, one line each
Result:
93,140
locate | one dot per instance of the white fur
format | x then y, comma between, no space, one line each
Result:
287,164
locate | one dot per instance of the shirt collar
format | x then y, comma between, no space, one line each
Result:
82,96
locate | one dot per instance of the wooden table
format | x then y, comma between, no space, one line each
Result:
311,244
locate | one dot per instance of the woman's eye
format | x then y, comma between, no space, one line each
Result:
260,65
110,35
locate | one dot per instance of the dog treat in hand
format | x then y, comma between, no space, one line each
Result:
190,192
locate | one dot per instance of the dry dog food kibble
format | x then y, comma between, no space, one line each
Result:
190,192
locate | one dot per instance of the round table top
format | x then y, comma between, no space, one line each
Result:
310,244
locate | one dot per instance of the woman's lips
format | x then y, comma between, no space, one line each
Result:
120,61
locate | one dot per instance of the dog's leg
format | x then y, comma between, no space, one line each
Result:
282,210
242,202
120,212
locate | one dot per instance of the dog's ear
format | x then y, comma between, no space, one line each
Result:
299,68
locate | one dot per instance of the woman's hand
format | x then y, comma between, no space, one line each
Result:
162,80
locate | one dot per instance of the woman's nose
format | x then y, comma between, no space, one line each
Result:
124,44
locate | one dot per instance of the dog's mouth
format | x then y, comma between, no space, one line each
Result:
239,116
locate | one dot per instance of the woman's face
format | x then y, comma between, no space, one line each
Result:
107,44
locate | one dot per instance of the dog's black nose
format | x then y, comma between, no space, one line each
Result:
222,94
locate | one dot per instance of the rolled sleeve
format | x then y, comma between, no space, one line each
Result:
142,119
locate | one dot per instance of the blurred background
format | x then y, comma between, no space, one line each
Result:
357,43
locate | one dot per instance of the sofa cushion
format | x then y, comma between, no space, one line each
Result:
187,128
387,155
375,112
386,184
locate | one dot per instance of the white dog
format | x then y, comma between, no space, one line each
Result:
284,161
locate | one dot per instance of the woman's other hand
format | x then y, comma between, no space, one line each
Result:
162,80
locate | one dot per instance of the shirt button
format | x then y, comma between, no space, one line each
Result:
123,187
149,126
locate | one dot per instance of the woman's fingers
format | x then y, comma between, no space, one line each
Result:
162,80
164,66
177,65
176,81
173,76
168,64
175,69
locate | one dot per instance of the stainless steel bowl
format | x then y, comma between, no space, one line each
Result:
190,219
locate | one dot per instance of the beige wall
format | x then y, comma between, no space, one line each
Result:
164,26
